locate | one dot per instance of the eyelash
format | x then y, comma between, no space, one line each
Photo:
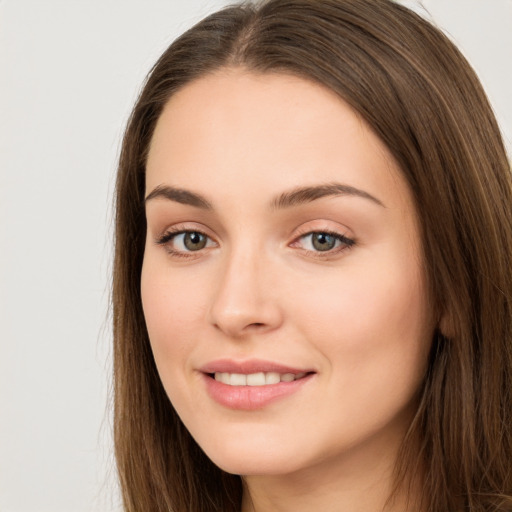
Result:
173,233
345,242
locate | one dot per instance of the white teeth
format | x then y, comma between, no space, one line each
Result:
238,379
223,377
256,379
272,378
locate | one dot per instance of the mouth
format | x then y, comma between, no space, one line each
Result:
256,379
254,384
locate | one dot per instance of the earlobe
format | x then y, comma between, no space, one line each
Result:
446,325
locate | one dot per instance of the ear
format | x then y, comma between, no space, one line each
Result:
446,325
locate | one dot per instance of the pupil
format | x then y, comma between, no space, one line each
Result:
323,241
194,241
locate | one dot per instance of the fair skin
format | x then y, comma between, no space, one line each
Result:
242,275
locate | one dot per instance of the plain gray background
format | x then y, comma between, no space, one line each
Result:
69,74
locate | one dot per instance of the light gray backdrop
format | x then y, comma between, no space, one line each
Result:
69,73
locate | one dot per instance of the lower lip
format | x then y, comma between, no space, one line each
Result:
250,398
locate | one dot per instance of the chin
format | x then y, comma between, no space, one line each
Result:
237,465
250,458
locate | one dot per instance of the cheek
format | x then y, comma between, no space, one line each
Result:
374,333
172,311
369,313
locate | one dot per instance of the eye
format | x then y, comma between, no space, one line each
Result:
190,241
323,241
179,242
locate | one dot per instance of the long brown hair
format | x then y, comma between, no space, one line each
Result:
421,97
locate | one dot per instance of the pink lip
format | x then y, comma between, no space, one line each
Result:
249,398
249,366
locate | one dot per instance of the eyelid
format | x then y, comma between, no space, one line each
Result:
308,229
339,236
347,241
180,227
170,233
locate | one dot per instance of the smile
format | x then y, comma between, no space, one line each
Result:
256,379
254,384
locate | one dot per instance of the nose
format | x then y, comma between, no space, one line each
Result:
245,300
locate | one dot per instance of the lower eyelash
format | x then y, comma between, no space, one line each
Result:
170,234
166,237
347,244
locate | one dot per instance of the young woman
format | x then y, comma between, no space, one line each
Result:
312,281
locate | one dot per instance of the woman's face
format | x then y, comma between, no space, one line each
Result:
282,283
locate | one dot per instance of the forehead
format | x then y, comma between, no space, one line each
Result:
266,131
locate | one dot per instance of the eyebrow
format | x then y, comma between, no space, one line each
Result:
287,199
179,195
302,195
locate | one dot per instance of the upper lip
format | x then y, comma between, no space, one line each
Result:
249,366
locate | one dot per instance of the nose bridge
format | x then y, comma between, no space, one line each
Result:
243,300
